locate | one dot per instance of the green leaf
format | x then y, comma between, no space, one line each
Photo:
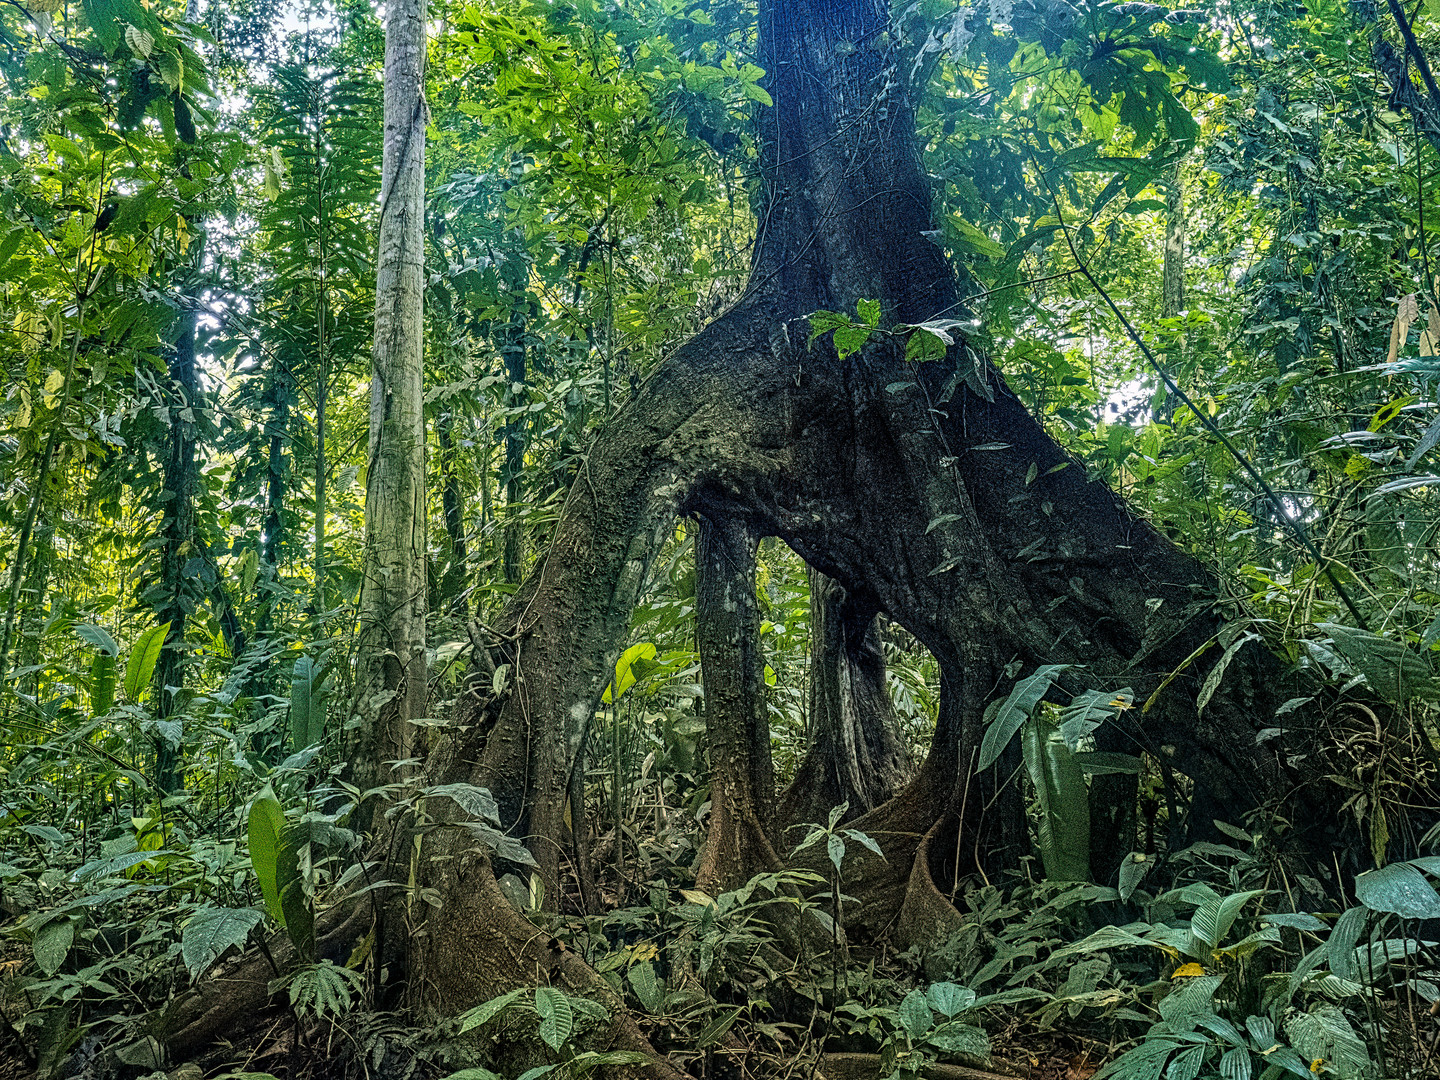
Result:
915,1015
1014,711
211,931
557,1018
629,670
1398,889
99,637
487,1010
143,657
1064,802
475,801
1235,1064
1392,669
299,916
948,999
51,944
266,822
835,848
646,985
1340,948
1132,871
1326,1034
1107,763
308,694
103,672
1216,673
956,1038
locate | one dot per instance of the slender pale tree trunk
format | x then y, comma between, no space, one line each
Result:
391,673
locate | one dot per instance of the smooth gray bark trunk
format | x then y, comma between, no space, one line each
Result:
391,668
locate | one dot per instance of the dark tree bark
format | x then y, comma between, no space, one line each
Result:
740,841
856,753
452,506
179,558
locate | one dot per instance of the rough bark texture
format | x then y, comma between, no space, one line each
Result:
850,462
867,468
391,675
856,753
740,840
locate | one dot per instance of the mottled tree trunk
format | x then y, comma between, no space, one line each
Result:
391,678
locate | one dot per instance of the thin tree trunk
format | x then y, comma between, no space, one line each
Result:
453,506
391,679
513,354
855,753
180,577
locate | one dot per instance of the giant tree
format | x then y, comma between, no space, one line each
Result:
921,486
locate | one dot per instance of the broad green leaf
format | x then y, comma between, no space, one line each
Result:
1014,711
475,801
289,877
487,1010
99,637
948,999
51,944
1132,871
266,822
143,657
1063,800
1340,948
1398,889
643,981
211,931
308,694
915,1015
557,1018
103,673
627,674
953,1038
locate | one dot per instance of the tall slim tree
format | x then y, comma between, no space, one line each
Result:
391,675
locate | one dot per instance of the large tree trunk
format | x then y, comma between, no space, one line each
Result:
867,468
880,473
391,680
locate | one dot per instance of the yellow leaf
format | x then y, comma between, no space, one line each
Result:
695,896
1188,971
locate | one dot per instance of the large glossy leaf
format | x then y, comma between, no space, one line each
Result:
51,944
308,698
267,820
143,657
557,1017
289,878
1014,711
915,1015
1398,889
1063,801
